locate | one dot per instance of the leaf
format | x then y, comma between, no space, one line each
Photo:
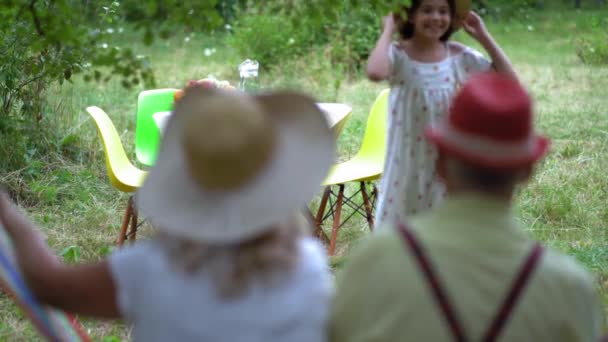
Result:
148,37
111,339
71,254
165,33
105,250
70,139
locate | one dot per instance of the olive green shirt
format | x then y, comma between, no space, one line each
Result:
476,247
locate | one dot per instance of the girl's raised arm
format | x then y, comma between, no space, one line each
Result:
475,27
378,63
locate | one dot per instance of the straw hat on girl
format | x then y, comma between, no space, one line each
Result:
461,12
232,165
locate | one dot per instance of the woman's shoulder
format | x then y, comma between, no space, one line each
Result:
312,250
312,257
144,256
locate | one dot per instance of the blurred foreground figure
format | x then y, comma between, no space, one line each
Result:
231,260
466,270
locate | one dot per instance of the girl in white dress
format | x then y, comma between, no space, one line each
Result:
424,69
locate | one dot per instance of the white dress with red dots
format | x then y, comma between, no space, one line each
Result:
420,94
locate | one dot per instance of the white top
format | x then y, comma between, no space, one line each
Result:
420,94
165,305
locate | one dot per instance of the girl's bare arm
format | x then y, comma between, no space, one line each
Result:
475,27
378,63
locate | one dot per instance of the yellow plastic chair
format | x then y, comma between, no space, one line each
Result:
123,175
365,167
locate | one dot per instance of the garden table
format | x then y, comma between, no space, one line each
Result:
336,114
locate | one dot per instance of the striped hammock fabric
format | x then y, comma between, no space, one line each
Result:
54,325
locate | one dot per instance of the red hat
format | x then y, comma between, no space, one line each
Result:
490,124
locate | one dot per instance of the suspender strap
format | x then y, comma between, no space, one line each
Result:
506,308
427,269
502,316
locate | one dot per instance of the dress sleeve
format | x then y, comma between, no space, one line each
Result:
471,62
397,59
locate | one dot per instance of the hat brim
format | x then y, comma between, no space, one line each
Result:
488,154
461,11
305,148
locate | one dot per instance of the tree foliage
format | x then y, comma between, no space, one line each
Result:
45,41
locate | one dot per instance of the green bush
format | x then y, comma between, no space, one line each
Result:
23,140
271,38
283,29
593,48
43,43
354,35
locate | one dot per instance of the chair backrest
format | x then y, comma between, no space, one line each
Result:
147,134
123,175
373,145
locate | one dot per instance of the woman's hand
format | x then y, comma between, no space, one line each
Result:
29,242
475,27
84,289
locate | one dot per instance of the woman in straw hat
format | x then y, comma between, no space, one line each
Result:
231,261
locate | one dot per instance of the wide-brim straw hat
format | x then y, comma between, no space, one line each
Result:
490,125
232,165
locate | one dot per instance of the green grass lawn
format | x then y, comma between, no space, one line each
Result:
565,205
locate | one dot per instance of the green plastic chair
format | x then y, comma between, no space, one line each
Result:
147,134
364,168
123,175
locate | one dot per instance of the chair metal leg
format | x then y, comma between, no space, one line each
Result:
317,231
318,220
132,234
336,223
128,229
368,207
122,235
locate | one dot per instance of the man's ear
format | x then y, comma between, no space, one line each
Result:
526,173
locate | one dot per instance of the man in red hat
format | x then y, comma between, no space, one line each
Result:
466,270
